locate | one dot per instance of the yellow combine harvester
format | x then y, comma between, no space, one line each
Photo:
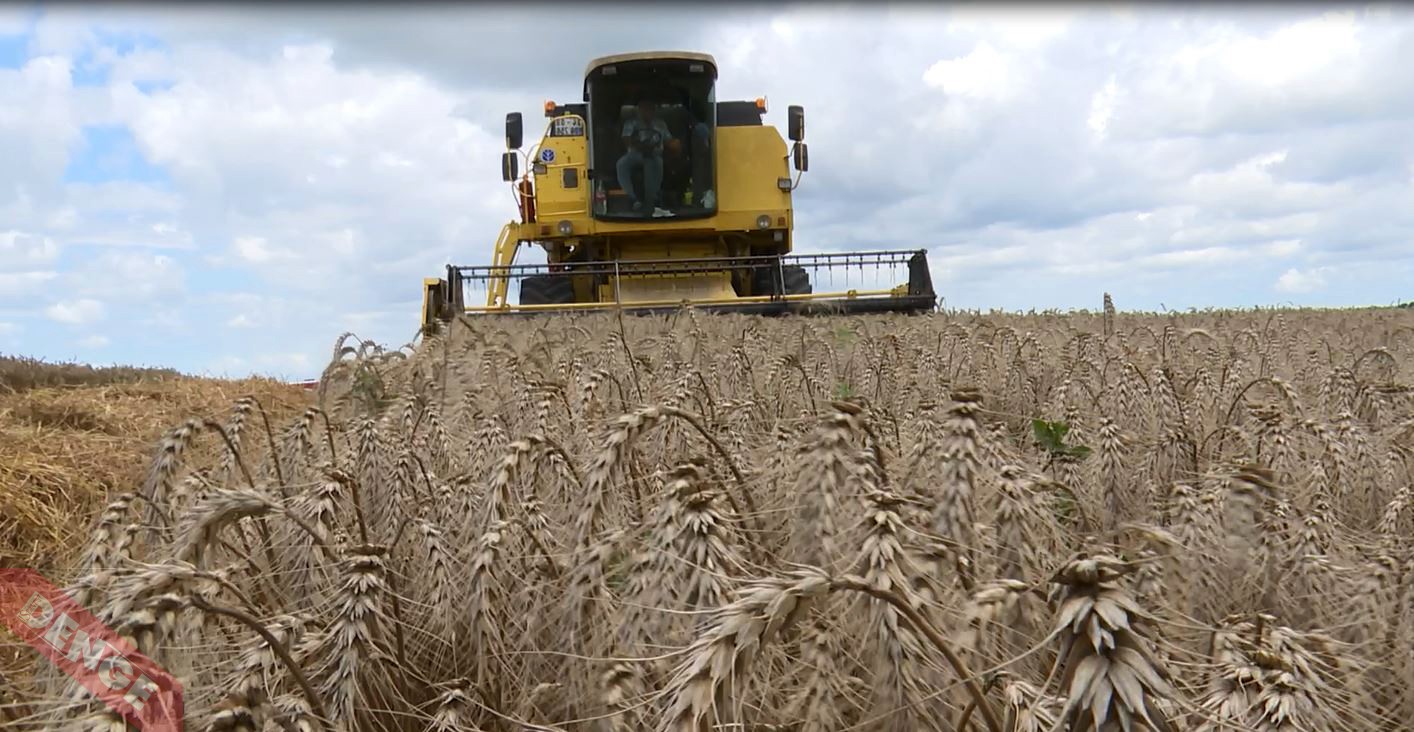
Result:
651,194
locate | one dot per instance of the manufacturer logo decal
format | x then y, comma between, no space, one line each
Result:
547,155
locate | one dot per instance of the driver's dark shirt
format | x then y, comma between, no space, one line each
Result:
633,125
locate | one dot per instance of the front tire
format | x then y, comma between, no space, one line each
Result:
797,281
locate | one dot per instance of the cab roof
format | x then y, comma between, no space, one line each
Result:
652,56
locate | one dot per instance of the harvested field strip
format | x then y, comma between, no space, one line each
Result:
63,450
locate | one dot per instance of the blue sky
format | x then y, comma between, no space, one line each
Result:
226,189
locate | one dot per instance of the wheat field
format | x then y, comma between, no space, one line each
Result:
954,521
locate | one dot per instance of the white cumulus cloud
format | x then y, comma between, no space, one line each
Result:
76,312
984,73
1102,107
19,251
20,285
1301,281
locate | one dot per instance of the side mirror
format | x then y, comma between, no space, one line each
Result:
514,136
800,155
510,166
796,122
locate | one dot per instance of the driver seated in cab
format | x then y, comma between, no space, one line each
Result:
644,136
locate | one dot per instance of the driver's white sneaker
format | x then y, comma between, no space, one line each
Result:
659,212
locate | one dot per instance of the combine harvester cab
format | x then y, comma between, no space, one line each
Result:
651,195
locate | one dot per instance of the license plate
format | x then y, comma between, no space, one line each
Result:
567,127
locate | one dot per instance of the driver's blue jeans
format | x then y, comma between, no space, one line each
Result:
652,166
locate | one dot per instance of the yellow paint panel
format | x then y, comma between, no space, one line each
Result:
675,288
668,249
553,200
750,160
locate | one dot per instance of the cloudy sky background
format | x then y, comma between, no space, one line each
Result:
225,189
